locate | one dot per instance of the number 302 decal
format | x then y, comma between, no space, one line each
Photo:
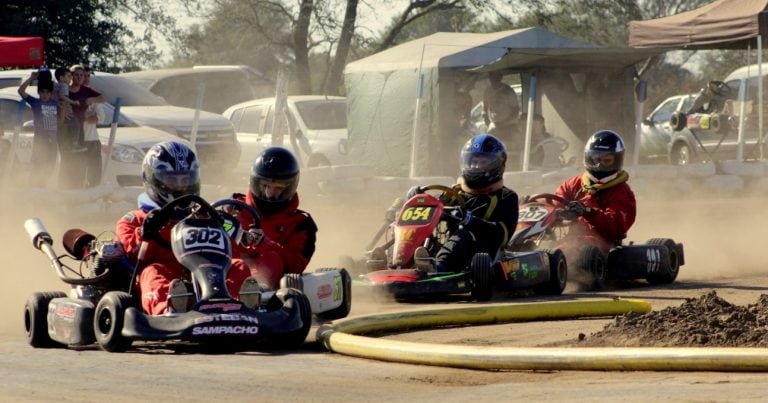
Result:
198,237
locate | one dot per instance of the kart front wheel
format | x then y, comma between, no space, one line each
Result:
481,271
108,321
346,298
36,319
558,274
591,262
670,273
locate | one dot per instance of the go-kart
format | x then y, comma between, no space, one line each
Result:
544,223
404,266
328,289
103,307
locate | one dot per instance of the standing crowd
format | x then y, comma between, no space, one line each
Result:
66,114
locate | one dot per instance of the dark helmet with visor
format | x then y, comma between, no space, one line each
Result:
482,161
604,154
170,170
274,179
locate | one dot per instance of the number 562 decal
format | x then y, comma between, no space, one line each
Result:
200,237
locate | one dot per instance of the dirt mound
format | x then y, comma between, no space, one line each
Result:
706,321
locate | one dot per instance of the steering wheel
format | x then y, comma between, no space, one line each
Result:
550,198
165,214
450,195
237,205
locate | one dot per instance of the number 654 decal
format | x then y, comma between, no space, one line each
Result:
199,237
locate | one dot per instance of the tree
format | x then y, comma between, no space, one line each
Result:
76,31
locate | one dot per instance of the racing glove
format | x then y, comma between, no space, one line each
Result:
413,191
469,221
150,227
576,208
253,237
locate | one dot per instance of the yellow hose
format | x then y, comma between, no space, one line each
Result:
344,337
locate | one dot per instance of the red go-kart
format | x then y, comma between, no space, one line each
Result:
543,224
404,266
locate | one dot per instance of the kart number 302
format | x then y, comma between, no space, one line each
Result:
200,237
416,215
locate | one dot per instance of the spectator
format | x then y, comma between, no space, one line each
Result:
61,88
92,155
538,134
46,120
501,108
72,168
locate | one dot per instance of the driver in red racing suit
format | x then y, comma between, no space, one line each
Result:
285,242
600,199
170,170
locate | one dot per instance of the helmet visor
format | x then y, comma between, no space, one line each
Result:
274,190
177,183
602,161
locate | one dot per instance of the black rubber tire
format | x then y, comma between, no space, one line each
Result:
592,262
296,338
108,320
481,272
558,274
667,276
292,280
678,121
36,319
342,311
681,154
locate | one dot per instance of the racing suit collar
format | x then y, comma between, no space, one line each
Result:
590,185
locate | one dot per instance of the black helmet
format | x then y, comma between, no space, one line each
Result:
604,154
170,170
274,179
482,161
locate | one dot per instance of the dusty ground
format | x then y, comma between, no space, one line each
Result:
717,300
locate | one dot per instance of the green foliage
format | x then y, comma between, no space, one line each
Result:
75,31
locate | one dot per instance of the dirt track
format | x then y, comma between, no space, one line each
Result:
723,240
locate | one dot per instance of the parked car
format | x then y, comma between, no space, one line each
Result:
659,139
131,140
216,143
224,85
318,122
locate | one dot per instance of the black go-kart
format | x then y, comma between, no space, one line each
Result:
102,305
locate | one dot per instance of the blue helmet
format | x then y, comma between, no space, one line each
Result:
483,159
604,154
170,170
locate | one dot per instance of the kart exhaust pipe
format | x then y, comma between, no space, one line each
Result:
37,233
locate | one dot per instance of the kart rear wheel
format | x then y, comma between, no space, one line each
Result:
292,280
669,275
36,319
108,321
558,274
481,272
296,338
591,262
346,298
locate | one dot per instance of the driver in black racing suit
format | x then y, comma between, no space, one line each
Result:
491,209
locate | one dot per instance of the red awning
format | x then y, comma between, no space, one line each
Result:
21,51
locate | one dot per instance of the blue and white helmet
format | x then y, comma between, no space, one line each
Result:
170,170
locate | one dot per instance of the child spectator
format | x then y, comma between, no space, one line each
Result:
46,120
61,92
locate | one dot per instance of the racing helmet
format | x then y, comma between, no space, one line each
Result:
482,161
170,170
274,179
604,154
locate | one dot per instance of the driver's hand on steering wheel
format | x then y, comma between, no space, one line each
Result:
150,227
